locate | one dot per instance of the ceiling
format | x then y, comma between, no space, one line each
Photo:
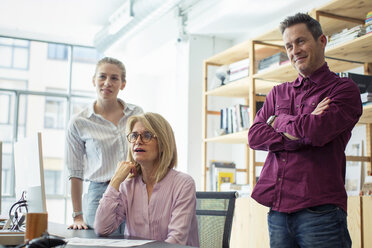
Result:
78,21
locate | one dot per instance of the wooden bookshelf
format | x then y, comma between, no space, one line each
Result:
340,14
334,17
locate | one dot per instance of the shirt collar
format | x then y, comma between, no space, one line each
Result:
127,108
316,77
166,178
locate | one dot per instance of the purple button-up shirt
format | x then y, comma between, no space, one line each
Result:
309,171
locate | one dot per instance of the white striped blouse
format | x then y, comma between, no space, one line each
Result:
95,145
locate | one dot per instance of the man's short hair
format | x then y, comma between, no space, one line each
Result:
312,25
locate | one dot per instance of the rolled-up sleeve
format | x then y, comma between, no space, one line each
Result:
264,137
110,212
74,152
344,111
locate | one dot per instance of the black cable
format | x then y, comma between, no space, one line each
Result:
19,204
18,217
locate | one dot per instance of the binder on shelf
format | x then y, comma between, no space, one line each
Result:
221,172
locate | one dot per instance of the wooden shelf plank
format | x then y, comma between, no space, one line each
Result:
359,49
233,54
283,73
340,66
240,88
358,158
241,51
233,138
273,36
367,114
348,8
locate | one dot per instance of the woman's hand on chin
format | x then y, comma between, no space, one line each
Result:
122,171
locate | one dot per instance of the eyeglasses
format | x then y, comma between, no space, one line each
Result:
145,137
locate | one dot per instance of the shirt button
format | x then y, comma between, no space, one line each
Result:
297,106
313,103
283,160
279,179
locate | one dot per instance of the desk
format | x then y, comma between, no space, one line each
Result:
62,231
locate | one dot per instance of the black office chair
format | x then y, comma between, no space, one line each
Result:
215,211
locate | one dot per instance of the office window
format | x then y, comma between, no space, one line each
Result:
4,108
83,69
12,83
54,114
86,55
7,107
14,53
53,184
57,51
42,96
6,170
78,104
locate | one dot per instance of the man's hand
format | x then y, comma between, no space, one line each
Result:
322,106
290,136
78,224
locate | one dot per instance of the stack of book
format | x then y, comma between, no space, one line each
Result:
346,35
239,69
368,22
273,61
234,119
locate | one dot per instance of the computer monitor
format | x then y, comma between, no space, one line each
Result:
29,173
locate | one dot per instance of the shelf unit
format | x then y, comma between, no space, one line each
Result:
334,17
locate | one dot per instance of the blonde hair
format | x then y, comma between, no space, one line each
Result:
109,60
167,150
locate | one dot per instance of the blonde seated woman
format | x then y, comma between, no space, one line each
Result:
156,201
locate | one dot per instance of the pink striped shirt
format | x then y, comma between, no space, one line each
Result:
170,215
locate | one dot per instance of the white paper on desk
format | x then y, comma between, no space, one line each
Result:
107,242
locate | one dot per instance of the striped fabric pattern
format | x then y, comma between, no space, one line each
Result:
95,145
